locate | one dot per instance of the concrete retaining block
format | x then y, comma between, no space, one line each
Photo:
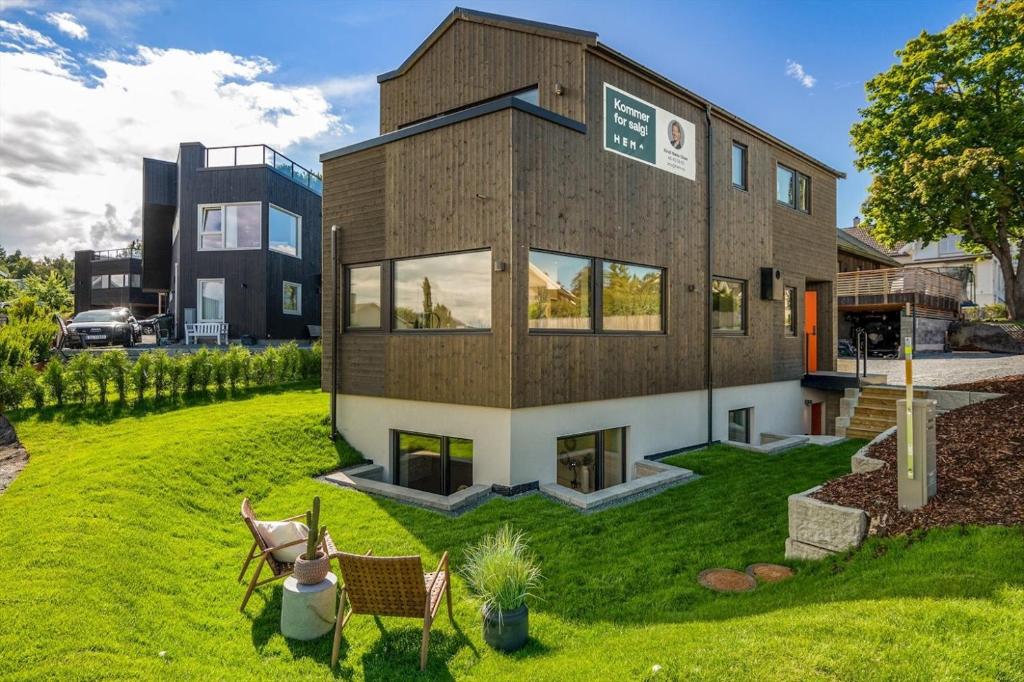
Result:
951,400
860,462
827,527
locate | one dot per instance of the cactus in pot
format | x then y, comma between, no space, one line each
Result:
312,566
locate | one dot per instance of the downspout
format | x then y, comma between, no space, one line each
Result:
708,275
335,331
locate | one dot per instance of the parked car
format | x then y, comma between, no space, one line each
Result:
114,326
163,322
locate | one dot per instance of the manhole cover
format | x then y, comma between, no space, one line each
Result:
770,573
726,580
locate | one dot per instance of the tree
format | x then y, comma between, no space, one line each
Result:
943,134
52,292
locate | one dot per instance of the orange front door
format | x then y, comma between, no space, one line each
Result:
811,331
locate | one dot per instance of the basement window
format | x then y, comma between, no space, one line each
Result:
592,461
441,465
739,425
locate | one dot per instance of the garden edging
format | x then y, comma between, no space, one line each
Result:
818,529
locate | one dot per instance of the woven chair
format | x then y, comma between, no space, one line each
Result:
279,569
391,586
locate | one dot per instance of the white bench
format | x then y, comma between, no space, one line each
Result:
217,330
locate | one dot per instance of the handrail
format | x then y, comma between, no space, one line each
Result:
114,254
262,155
885,282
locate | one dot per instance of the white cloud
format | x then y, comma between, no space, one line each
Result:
17,4
67,24
19,37
349,86
796,70
71,144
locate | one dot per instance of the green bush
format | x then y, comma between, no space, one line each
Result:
29,333
219,369
161,365
236,358
176,374
55,380
32,382
79,372
142,376
101,376
10,390
119,367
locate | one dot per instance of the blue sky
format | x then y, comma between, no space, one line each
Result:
734,53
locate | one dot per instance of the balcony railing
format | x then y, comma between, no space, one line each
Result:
890,285
262,155
117,254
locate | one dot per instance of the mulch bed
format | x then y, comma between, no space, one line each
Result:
980,469
13,457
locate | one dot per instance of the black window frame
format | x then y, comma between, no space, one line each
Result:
746,423
597,298
743,310
445,457
746,165
599,454
346,289
395,329
790,330
795,187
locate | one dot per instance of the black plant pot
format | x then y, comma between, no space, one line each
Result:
510,631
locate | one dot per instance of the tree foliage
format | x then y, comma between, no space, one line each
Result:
943,134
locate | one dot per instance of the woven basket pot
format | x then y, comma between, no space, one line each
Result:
311,571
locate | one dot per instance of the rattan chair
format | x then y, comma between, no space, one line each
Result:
391,586
261,549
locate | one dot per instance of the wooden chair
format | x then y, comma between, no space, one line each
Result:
261,549
391,586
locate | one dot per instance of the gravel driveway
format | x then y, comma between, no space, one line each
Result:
939,369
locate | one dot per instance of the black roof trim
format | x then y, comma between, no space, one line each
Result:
457,117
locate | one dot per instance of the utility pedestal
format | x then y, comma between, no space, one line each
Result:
917,480
307,611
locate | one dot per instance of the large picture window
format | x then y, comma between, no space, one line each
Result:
435,464
789,305
631,298
793,189
452,291
285,232
591,461
560,289
230,226
728,306
211,300
364,300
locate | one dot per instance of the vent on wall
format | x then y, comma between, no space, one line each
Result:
771,284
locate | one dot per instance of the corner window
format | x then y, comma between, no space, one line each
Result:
591,461
441,465
793,189
230,226
291,299
739,425
285,232
728,306
452,291
559,292
739,165
789,304
631,298
211,300
100,281
117,281
362,310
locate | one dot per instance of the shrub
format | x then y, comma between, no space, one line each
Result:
10,389
176,374
201,366
236,360
501,570
54,378
29,333
219,369
290,362
31,386
119,369
161,366
79,371
257,369
100,371
271,365
142,375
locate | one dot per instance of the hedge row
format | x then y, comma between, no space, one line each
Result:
112,376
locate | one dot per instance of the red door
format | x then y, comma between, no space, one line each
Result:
811,331
816,419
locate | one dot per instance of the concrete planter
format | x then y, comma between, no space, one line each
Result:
818,529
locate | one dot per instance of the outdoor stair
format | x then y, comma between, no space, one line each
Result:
876,410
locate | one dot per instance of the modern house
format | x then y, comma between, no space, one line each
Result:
112,279
555,263
877,287
232,235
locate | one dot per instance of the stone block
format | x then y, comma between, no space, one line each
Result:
828,526
800,550
861,463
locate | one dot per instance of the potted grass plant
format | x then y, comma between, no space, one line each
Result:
502,572
312,566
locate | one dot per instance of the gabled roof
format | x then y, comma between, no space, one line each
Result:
850,244
590,40
863,236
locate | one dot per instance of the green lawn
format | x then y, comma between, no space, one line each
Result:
121,540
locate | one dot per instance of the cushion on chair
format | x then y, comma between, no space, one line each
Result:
276,533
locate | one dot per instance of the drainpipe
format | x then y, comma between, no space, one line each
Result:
708,276
335,335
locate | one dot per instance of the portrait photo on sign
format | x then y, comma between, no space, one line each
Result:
675,134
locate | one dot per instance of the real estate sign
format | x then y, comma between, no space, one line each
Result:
649,134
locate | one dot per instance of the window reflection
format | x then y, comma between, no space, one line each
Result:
559,296
727,301
364,297
631,298
443,292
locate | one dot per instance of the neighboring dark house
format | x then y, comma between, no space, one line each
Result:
112,279
232,234
525,295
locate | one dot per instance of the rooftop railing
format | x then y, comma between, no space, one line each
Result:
117,254
262,155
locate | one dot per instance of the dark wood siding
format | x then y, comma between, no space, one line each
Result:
159,205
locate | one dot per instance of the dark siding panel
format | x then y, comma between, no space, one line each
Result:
159,205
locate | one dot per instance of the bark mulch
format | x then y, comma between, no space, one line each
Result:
979,462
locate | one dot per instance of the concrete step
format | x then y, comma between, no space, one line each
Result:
879,424
889,392
866,434
876,412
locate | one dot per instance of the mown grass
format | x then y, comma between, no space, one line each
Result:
120,544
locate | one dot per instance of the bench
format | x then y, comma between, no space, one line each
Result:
217,330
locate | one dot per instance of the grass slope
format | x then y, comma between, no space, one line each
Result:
121,540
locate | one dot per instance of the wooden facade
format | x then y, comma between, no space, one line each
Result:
516,178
